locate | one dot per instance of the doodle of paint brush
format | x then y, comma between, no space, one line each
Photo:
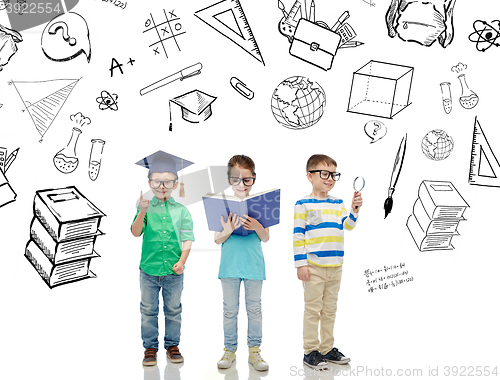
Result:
396,171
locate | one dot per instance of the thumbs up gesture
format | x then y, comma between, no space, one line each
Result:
144,203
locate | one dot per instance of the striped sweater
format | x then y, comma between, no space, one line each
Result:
318,233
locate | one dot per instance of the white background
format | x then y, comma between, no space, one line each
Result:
448,316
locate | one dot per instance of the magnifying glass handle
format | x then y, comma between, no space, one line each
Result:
356,207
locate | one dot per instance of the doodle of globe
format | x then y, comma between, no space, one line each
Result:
437,145
298,102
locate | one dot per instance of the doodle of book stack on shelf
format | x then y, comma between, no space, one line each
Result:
437,213
64,229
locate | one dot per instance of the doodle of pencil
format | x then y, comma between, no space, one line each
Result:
396,171
312,12
351,44
10,159
343,17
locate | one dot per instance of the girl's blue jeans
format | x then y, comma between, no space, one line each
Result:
231,293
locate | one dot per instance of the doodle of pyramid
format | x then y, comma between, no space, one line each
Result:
44,99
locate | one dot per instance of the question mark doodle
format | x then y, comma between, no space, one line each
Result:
60,44
375,130
65,32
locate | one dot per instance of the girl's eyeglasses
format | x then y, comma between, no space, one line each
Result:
235,181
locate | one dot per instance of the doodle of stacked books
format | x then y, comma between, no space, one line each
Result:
437,212
64,229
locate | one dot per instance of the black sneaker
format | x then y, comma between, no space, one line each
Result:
337,357
315,360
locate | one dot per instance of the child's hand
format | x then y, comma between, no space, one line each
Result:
357,201
178,267
233,222
144,203
303,273
250,223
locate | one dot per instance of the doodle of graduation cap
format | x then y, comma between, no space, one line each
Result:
161,162
195,106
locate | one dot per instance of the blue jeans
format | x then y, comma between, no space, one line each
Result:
231,293
171,289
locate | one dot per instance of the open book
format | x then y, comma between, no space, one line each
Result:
264,206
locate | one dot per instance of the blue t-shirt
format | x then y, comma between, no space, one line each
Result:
242,257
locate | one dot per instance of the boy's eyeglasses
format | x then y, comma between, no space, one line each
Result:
235,181
325,174
168,184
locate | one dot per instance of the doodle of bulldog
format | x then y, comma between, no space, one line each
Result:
423,22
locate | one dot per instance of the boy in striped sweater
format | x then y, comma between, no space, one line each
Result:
318,243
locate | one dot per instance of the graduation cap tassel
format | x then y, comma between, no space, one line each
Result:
181,190
170,113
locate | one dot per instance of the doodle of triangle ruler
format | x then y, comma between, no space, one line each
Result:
484,166
44,99
227,17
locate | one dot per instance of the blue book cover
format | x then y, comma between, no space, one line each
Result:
265,207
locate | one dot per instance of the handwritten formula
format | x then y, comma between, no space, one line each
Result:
387,277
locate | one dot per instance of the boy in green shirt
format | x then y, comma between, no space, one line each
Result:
165,224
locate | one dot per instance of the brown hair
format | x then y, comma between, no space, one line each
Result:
317,159
242,161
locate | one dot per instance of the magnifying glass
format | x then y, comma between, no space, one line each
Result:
358,185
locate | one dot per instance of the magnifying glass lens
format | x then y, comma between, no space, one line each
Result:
358,184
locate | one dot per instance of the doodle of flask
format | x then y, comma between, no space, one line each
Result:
468,99
65,160
95,158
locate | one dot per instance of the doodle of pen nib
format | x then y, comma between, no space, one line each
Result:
388,206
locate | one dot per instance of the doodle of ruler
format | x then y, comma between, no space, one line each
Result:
484,166
227,17
44,99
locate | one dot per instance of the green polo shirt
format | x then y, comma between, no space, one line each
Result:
166,225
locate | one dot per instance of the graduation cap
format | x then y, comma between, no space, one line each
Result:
195,106
161,162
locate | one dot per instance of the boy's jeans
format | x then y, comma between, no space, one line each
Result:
171,289
231,292
320,298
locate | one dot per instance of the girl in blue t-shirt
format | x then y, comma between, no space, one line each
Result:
242,260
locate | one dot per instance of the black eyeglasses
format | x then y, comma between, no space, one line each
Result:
325,174
235,181
168,184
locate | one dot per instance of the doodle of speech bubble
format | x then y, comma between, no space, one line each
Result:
27,14
375,130
66,37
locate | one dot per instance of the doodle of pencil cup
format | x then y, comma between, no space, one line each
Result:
7,195
446,96
66,160
95,158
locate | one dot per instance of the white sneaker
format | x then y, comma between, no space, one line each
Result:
227,359
256,360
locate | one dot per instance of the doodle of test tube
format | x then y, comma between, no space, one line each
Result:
95,158
446,96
